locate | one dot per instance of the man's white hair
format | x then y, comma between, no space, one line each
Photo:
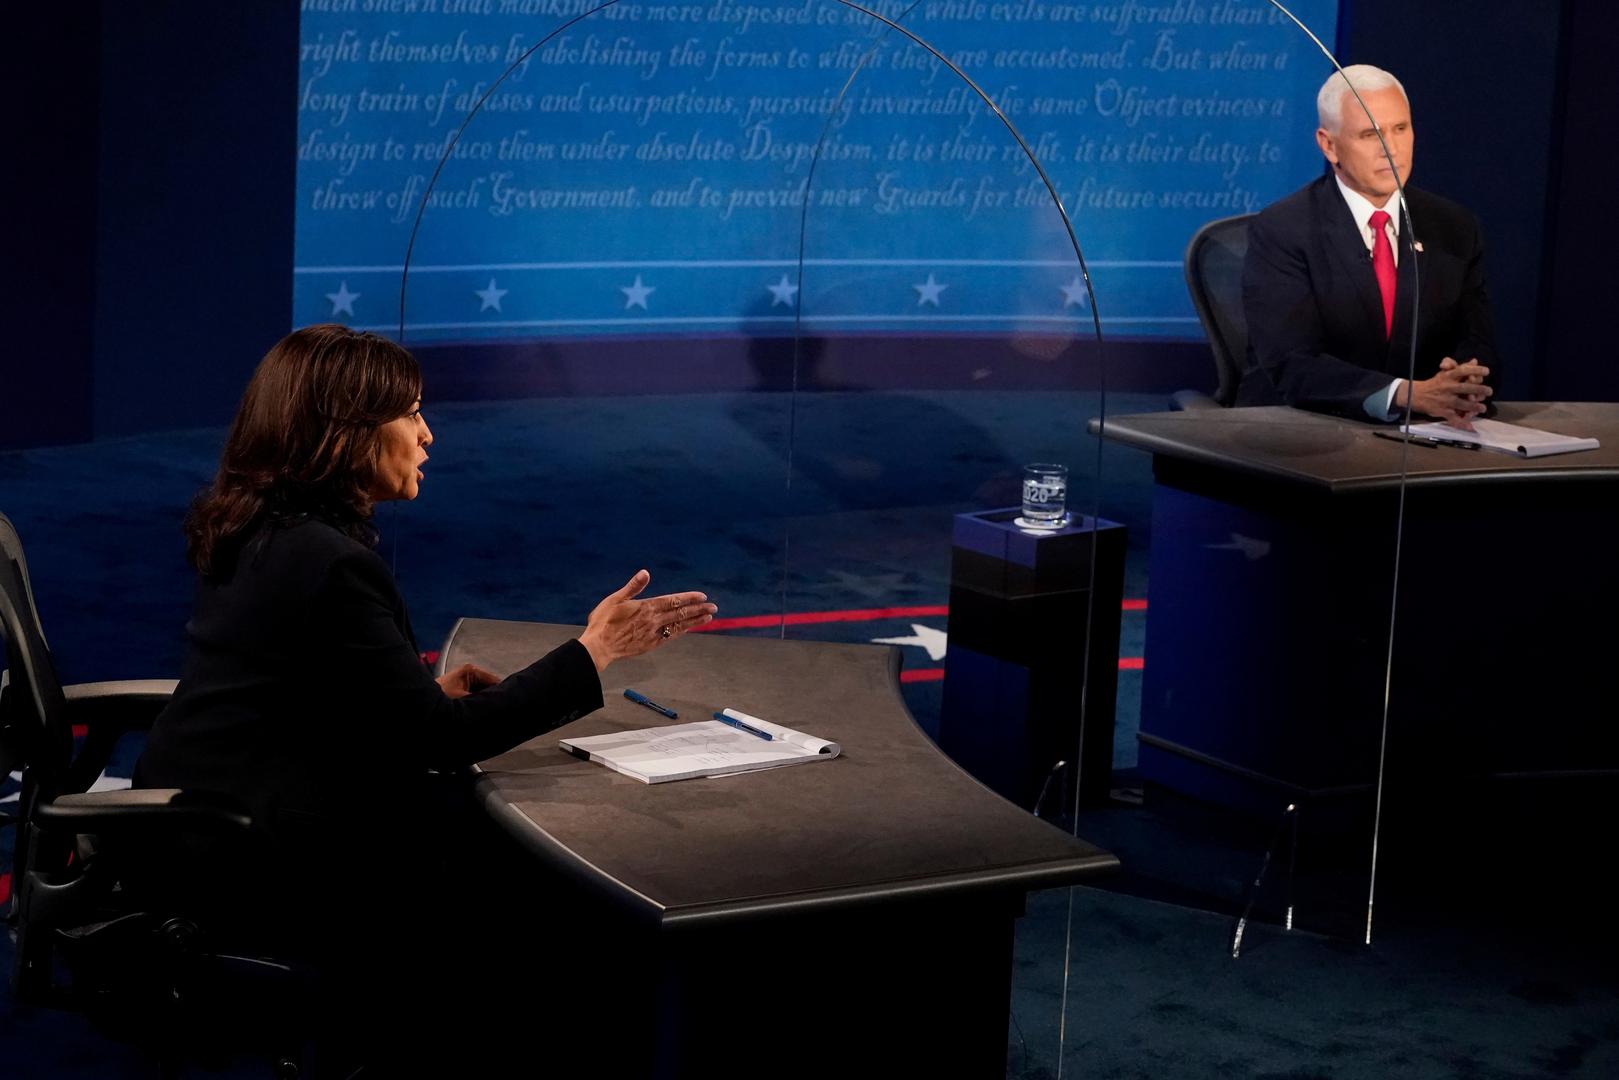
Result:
1329,103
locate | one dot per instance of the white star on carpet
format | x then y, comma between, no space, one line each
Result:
490,296
343,300
928,292
103,782
1251,549
1074,293
782,292
635,295
924,637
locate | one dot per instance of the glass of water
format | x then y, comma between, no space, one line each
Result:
1045,496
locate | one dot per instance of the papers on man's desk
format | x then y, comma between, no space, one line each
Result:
706,748
1506,438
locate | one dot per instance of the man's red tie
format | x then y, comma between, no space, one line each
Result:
1383,267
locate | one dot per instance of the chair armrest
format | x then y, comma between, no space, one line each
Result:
108,711
127,704
1191,400
146,689
148,810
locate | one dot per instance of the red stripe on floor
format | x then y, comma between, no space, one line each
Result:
5,888
806,618
934,674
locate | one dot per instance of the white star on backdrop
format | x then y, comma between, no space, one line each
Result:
343,300
782,292
928,292
934,641
490,296
1074,293
635,295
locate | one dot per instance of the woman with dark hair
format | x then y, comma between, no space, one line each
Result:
303,694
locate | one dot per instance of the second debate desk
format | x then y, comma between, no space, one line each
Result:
1274,539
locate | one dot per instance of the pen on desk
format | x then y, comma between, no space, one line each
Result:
641,699
740,726
1415,440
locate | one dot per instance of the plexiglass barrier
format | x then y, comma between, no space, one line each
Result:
948,340
836,303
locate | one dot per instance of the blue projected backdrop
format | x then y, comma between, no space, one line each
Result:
649,169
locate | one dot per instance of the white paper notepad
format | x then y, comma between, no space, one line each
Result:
1505,438
704,748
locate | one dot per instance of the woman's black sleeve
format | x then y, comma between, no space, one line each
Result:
368,659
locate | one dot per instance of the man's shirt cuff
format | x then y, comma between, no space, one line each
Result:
1379,404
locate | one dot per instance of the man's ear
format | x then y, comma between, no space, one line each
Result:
1328,147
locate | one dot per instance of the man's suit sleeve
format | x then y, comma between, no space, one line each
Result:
1475,322
1290,363
373,666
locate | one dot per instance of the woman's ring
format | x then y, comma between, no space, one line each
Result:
665,633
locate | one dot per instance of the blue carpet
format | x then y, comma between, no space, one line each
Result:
1153,993
535,509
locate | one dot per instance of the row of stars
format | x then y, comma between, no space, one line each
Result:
636,295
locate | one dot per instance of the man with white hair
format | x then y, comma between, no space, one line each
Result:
1328,281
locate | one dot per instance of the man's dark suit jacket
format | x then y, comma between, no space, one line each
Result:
1315,317
303,697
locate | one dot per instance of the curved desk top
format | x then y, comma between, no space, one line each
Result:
1338,455
891,818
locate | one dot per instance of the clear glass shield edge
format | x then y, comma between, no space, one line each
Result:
1075,755
882,26
1067,224
1410,244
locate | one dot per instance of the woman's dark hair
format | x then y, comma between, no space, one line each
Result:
305,439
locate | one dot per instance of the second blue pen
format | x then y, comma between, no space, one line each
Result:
641,699
740,726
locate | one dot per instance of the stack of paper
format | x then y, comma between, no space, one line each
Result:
707,748
1506,438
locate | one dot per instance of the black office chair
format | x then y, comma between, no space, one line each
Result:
1214,278
98,930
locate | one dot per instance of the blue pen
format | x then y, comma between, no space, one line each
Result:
641,699
740,726
1414,440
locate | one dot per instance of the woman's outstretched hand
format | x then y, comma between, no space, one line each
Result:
624,626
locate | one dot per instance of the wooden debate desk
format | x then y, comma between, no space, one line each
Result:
830,916
1273,544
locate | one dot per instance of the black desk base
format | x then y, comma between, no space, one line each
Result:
1269,628
911,988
